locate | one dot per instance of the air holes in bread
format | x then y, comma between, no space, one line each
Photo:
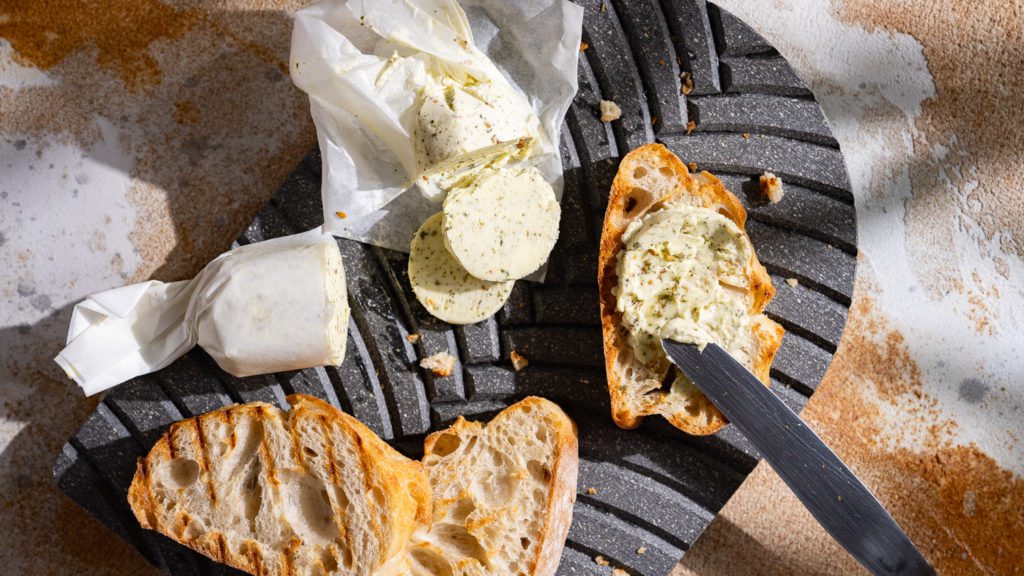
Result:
637,201
462,509
499,485
539,472
445,445
329,562
461,541
430,562
667,171
639,172
183,472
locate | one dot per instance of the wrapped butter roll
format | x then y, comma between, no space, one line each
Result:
266,307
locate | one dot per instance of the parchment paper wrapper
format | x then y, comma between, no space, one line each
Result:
266,307
365,108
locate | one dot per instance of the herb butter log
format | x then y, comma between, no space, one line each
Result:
310,491
675,262
443,286
271,306
503,224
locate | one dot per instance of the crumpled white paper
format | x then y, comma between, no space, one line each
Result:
260,308
363,102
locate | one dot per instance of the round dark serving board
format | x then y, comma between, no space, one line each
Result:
654,487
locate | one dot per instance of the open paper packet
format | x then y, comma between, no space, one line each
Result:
372,69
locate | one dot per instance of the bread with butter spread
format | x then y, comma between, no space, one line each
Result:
675,262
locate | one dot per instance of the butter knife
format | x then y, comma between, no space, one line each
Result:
843,506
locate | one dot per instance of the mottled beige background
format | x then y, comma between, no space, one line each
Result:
137,139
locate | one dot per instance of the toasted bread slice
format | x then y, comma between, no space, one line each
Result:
503,494
310,491
648,178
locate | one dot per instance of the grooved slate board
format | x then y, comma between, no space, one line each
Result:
655,486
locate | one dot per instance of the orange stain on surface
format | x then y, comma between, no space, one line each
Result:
45,32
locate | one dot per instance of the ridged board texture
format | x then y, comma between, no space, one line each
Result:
654,487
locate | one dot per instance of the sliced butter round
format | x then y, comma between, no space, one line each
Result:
503,225
443,286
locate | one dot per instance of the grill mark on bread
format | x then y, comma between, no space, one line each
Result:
204,461
232,439
332,471
252,553
171,448
266,456
222,546
333,475
364,457
288,564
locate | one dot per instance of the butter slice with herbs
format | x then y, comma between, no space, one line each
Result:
443,286
456,119
682,275
503,224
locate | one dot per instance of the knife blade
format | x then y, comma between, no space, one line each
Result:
836,498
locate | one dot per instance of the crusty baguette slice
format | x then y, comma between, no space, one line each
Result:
647,178
310,491
503,494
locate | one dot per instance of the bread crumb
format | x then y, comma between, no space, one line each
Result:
610,111
591,490
441,364
619,572
792,282
341,214
584,45
641,550
691,126
746,135
518,361
654,120
413,338
603,7
692,166
771,186
687,81
600,561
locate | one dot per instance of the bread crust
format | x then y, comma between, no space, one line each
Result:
402,483
648,177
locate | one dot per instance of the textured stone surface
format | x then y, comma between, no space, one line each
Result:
761,75
757,114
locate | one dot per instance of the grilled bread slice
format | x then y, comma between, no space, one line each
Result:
648,178
310,491
503,494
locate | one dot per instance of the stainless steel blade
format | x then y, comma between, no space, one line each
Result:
833,494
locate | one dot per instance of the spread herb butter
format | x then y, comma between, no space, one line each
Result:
683,275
